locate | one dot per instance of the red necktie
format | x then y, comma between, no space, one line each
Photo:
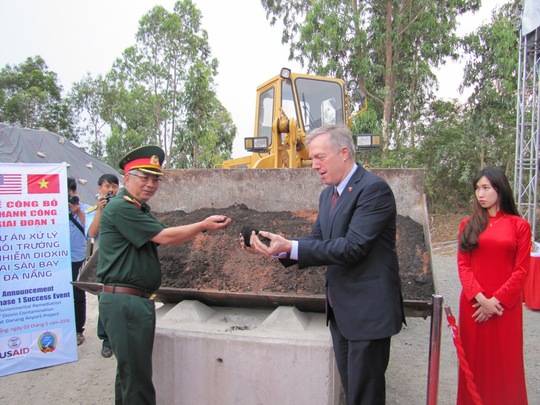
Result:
335,197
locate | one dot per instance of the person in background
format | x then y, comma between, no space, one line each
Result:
108,185
129,269
493,259
78,244
355,236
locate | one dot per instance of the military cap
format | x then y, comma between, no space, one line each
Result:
147,158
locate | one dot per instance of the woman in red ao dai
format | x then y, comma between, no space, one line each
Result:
493,260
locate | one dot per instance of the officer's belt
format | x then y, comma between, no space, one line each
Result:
116,289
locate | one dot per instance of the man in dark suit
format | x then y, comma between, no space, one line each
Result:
355,237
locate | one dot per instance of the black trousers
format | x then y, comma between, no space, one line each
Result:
362,365
79,299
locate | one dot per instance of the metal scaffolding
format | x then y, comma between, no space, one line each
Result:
528,128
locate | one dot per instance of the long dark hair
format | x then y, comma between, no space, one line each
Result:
468,239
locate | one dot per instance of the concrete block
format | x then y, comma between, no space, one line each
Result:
286,318
189,311
243,356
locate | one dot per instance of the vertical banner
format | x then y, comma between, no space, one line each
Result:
37,321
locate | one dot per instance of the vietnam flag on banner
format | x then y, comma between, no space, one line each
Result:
43,183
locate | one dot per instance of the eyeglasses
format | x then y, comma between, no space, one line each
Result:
147,179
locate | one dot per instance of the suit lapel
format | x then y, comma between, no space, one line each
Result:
348,192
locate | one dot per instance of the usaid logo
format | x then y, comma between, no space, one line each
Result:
14,344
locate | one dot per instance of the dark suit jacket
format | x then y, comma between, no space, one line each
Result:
357,242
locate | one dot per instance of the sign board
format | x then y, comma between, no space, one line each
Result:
37,322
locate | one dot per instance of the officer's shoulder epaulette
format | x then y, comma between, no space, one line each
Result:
91,209
133,201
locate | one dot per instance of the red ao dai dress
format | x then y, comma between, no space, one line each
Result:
494,349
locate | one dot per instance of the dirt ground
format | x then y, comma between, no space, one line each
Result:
444,229
90,380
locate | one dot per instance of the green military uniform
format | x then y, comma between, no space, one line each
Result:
128,258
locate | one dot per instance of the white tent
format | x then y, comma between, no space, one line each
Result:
22,145
530,19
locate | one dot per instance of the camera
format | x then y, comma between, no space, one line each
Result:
109,196
106,197
73,199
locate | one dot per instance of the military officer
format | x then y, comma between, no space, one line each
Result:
129,269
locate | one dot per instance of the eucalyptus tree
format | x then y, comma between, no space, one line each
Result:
447,155
206,138
458,139
120,143
150,79
491,72
31,96
390,46
90,101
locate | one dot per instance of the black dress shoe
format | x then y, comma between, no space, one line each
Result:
106,351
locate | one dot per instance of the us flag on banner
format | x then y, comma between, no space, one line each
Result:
10,184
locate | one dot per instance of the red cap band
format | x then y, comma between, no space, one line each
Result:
145,163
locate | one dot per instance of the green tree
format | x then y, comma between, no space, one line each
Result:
31,97
459,139
206,139
90,101
390,46
491,72
119,143
154,89
447,155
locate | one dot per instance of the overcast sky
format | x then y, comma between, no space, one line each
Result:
75,38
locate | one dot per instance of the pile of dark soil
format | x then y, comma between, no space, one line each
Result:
216,261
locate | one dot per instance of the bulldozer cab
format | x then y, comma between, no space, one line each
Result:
312,101
288,107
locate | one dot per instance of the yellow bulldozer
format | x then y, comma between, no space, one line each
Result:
288,107
228,332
